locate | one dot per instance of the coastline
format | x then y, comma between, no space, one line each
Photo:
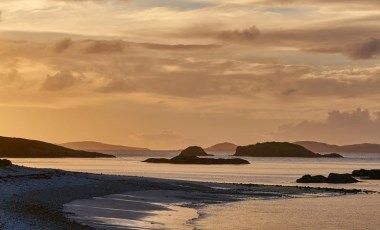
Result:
34,198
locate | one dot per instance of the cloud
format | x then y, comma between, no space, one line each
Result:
119,46
98,1
62,45
366,50
340,127
104,47
9,77
61,80
245,35
115,85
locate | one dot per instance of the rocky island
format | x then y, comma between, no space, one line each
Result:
371,174
191,156
24,148
279,149
333,178
194,151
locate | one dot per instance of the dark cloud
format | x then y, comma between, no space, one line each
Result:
62,45
61,80
366,50
245,35
179,46
340,127
120,46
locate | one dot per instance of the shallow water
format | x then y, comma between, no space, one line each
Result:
328,213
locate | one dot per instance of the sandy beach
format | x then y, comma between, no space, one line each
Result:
55,199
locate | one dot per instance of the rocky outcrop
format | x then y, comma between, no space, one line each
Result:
333,178
194,151
312,179
373,174
196,160
274,149
5,163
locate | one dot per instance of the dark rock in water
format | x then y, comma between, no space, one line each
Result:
196,160
332,155
274,149
373,174
335,178
5,163
312,179
194,151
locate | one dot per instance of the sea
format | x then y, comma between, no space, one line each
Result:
343,212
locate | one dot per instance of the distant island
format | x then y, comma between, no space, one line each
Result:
279,149
222,147
191,156
355,148
98,146
194,151
24,148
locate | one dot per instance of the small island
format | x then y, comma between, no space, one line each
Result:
194,151
191,156
24,148
370,174
333,178
279,149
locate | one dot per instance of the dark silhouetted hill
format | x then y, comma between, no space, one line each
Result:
197,160
24,148
274,149
194,151
355,148
361,148
98,146
318,146
222,147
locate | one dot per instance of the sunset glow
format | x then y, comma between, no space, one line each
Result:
171,73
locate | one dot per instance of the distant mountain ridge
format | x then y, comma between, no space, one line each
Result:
11,147
99,146
222,147
355,148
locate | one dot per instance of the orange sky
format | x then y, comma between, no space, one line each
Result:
171,73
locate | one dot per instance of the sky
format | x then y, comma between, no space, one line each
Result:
171,73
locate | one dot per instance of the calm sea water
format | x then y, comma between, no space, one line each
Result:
343,212
282,171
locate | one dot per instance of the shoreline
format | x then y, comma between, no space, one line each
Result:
34,198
